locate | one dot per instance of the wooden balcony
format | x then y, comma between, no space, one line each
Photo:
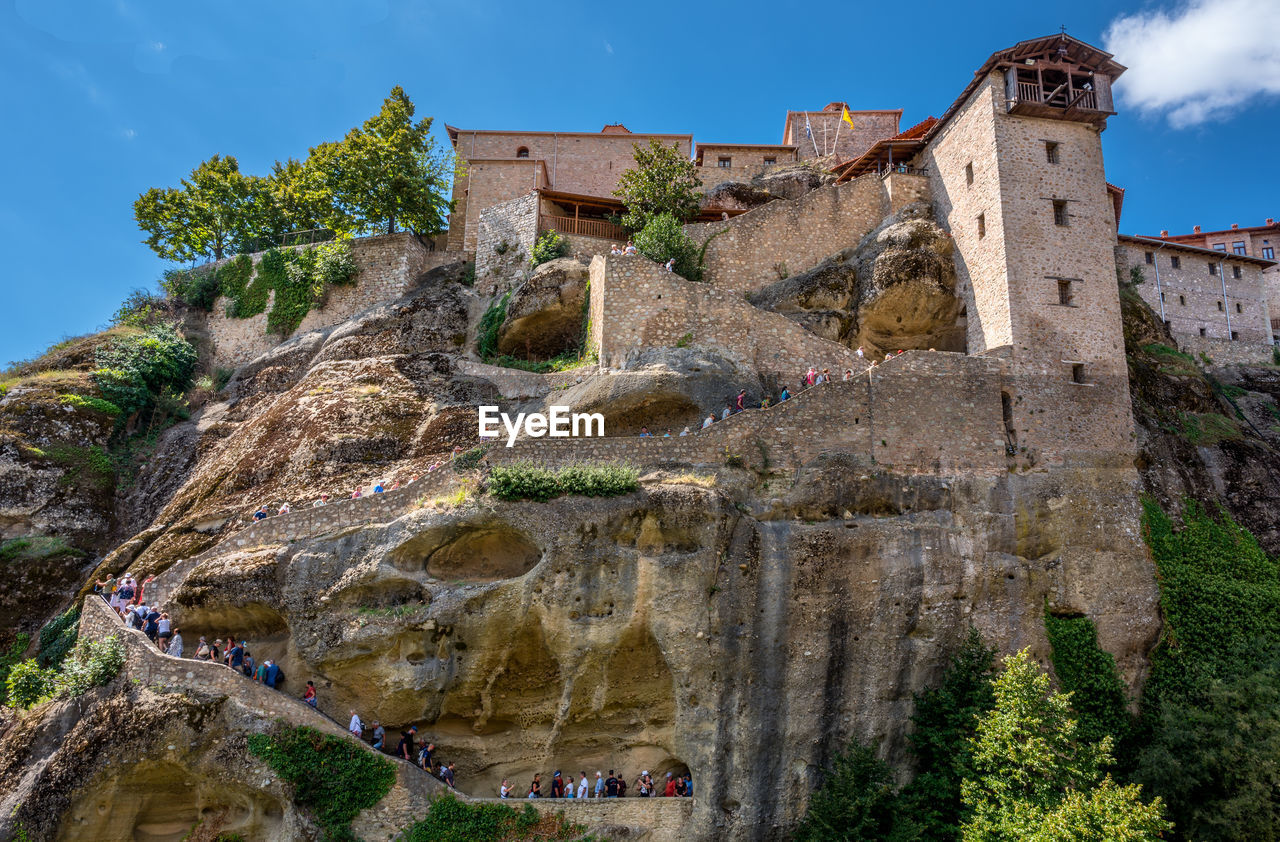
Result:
599,228
1058,95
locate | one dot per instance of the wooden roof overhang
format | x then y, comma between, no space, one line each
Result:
882,153
603,203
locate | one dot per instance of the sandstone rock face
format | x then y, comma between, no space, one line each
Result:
545,314
782,182
895,290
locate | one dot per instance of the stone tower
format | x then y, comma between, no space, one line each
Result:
1015,168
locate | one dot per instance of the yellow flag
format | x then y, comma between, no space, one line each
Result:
847,117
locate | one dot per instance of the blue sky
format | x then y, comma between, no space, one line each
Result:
105,98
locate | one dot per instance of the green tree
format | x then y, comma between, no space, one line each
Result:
1034,779
856,801
663,180
385,173
663,238
206,217
299,200
945,719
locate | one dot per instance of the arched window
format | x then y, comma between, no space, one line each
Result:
522,152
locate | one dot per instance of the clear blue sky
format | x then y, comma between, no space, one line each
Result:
105,98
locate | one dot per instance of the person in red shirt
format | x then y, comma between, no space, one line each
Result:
557,786
670,791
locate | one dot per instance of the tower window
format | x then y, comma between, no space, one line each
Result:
982,225
1175,262
522,152
1235,272
1220,307
1051,151
1077,372
1202,331
1149,257
1182,300
1213,268
1238,248
1268,252
1239,308
1059,212
1235,336
1064,292
968,173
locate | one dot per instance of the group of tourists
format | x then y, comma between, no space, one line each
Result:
421,754
628,250
614,786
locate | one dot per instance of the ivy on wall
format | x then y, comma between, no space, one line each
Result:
1088,673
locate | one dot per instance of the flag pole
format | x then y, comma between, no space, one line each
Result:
809,131
839,126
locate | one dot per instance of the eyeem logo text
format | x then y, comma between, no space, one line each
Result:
560,423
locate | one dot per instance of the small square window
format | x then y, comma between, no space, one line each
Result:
1238,248
1077,372
1202,331
725,162
1162,296
1213,268
1220,307
1175,262
1239,308
1235,336
1219,246
1051,151
1182,300
1064,292
1235,272
1059,212
1268,253
968,173
769,162
982,225
1150,258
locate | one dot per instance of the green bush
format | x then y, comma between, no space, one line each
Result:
294,287
451,820
487,331
87,466
58,637
1088,673
133,370
526,481
548,247
10,659
29,684
469,459
94,404
334,778
334,265
140,309
90,664
663,238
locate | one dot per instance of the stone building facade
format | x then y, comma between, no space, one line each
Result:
825,134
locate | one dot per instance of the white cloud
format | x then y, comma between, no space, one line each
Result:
128,134
1201,62
608,48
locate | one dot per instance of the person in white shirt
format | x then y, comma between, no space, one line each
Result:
505,790
356,727
582,785
711,419
685,431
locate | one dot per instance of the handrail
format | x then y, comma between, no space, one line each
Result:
598,228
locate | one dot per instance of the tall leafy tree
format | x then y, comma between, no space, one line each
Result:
856,802
384,174
1034,779
207,216
663,180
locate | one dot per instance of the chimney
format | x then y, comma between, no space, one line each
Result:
1235,225
1270,221
1164,233
1195,229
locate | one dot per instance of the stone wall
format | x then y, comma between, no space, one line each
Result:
904,188
513,223
797,233
1193,303
636,305
922,412
388,265
665,818
1225,352
485,184
831,135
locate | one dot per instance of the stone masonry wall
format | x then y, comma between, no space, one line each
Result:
485,184
799,233
515,223
388,265
1193,298
921,412
903,188
642,306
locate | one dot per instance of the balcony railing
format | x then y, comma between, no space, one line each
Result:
597,228
1031,92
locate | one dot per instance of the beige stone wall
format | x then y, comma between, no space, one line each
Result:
1223,352
644,306
388,265
841,141
513,224
903,188
666,819
485,184
799,233
1193,298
